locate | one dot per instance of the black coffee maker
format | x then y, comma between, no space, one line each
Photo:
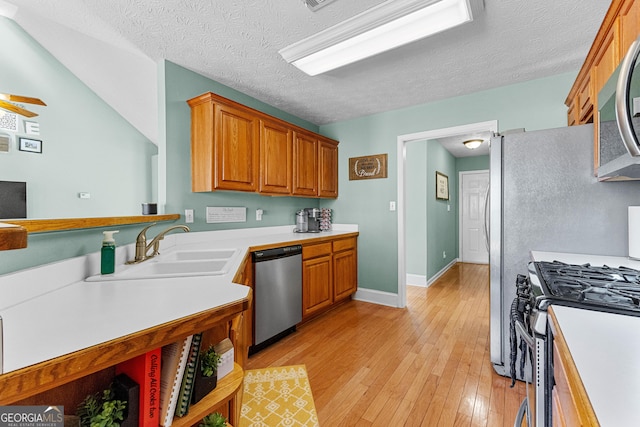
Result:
313,220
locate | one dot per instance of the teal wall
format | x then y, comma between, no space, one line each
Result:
86,145
537,104
442,218
472,163
416,203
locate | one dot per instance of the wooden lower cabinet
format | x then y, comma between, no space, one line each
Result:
570,405
329,274
317,285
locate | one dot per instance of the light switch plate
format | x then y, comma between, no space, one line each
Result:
188,216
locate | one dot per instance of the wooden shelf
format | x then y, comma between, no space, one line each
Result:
64,224
12,237
227,387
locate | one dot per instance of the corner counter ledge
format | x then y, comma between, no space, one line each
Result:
64,224
12,237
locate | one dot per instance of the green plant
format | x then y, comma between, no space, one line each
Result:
209,361
101,410
213,420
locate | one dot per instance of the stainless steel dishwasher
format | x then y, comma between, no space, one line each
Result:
278,294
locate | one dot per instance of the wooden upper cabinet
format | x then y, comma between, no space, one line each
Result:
327,168
629,25
234,147
276,157
224,146
620,27
305,164
607,58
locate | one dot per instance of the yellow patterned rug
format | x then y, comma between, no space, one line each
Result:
276,397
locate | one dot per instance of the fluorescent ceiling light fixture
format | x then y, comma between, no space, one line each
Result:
472,144
389,25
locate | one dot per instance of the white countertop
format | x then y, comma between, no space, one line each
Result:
50,311
606,350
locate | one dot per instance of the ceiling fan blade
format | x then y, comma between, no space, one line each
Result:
15,109
18,98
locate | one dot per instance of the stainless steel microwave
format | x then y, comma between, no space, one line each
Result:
619,121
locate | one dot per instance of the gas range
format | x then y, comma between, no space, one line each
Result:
607,289
602,288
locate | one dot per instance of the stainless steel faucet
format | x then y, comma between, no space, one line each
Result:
142,248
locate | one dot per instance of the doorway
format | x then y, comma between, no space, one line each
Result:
402,141
473,217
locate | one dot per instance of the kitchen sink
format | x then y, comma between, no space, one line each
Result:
186,268
195,255
181,263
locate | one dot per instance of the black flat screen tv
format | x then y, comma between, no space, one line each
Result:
13,199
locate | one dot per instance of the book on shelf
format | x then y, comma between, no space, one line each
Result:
184,397
145,370
225,349
174,362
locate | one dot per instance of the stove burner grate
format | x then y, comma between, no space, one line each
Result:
604,286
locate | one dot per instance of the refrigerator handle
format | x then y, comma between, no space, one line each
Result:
486,218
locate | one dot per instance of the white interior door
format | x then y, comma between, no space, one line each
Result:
473,192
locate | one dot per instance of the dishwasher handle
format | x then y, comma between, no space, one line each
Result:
275,253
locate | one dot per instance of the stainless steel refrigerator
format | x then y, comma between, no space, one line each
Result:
544,196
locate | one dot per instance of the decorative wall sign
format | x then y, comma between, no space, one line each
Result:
32,128
442,186
8,121
368,167
30,145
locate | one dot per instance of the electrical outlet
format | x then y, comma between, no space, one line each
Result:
259,213
188,216
444,254
392,206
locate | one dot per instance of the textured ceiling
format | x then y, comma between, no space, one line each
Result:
236,43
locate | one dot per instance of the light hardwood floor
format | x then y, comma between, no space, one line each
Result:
426,365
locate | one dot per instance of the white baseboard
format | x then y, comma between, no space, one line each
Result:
418,280
441,272
376,297
422,282
391,299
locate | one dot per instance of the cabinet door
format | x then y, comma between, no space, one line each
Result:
276,154
327,169
317,284
236,149
345,274
629,25
305,166
607,58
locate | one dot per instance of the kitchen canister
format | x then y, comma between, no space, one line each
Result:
634,232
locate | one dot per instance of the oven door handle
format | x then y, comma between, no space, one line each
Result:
525,335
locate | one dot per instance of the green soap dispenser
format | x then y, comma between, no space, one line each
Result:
108,253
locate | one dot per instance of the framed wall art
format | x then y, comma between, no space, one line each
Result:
368,167
30,145
442,186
